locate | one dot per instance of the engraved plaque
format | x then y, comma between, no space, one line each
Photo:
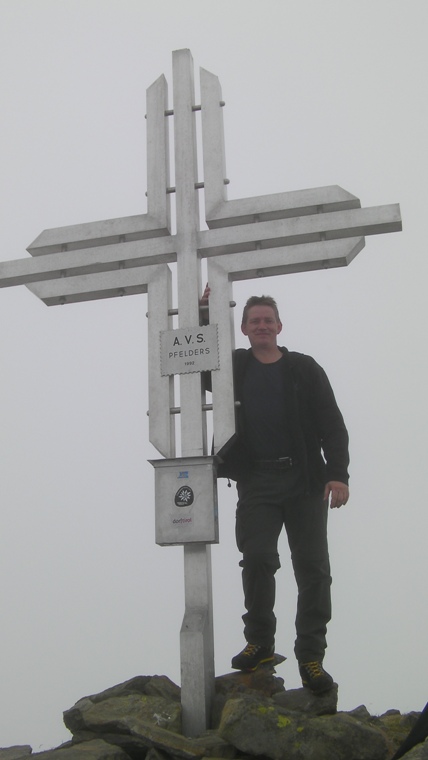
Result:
189,349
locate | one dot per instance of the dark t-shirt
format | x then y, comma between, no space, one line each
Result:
265,410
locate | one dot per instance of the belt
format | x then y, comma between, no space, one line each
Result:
283,463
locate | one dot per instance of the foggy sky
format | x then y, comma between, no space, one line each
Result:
316,94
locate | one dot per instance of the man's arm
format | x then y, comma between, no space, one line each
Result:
329,424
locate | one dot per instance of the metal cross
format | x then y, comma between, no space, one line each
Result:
246,238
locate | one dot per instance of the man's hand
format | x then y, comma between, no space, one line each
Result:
203,301
204,314
337,492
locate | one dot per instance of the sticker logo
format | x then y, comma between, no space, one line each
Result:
184,497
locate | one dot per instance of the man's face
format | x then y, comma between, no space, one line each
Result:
261,327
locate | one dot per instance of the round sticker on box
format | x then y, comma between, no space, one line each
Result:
184,497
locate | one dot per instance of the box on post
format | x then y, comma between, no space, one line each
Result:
186,500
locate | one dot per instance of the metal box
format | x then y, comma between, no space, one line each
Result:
186,500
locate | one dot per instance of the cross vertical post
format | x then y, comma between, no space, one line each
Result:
196,636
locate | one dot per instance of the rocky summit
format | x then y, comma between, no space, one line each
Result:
253,716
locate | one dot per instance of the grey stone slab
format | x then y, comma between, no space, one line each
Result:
16,752
96,749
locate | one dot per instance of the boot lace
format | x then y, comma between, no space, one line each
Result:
251,649
315,669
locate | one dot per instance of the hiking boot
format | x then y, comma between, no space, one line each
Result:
314,677
252,656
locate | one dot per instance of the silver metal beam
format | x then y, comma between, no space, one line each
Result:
217,242
197,635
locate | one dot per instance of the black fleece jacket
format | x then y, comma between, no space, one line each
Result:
318,432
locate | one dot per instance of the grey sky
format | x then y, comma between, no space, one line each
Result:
316,94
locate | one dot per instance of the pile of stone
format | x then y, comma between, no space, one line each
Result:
253,716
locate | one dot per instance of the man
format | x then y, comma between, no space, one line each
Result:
287,417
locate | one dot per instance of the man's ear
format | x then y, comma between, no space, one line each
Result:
278,327
244,329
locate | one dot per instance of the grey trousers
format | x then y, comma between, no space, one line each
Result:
269,501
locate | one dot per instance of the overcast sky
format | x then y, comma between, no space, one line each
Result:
317,93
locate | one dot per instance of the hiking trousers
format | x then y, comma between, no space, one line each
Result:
267,502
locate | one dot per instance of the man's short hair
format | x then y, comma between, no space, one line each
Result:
260,301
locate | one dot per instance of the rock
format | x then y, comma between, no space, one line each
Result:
152,686
261,727
395,726
140,719
127,707
96,749
262,681
418,733
420,752
167,743
128,714
303,701
360,713
16,752
127,717
154,754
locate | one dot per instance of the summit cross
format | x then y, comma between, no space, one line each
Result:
246,238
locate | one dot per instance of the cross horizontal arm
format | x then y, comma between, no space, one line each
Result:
305,229
69,265
282,206
244,265
290,259
92,287
105,232
87,261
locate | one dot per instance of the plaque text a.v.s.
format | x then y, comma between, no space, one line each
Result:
190,349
